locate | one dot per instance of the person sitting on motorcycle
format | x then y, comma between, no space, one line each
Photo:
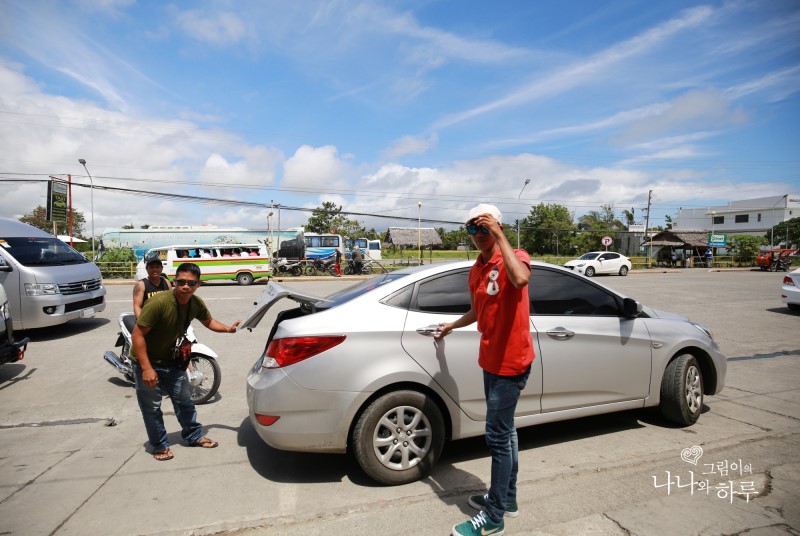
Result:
156,369
358,259
154,283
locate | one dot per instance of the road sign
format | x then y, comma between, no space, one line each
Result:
607,241
717,240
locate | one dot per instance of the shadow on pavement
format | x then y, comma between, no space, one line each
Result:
297,467
73,327
10,374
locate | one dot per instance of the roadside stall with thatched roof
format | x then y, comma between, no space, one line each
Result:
688,246
413,237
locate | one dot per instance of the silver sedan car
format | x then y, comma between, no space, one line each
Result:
360,370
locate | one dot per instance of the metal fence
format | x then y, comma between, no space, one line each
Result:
117,270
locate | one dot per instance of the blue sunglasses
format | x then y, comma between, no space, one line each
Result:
473,229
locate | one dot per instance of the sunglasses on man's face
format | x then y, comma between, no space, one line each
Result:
182,282
473,229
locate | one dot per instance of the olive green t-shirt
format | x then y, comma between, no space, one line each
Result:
166,319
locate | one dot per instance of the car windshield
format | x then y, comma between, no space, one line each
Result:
589,256
344,296
38,251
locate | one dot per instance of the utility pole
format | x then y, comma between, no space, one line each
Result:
647,229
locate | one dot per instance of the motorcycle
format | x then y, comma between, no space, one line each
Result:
320,265
204,373
283,266
780,264
366,267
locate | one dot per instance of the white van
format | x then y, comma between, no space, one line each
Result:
47,282
241,262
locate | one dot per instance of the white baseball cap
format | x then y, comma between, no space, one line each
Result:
483,208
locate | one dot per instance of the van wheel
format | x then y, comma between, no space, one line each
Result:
245,278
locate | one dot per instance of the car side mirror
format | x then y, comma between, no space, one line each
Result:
631,308
4,266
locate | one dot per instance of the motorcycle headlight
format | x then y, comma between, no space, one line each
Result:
41,289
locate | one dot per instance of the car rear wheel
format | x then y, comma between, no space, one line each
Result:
682,390
244,278
589,271
399,437
623,270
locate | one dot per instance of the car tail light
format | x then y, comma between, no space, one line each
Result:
788,280
266,420
284,352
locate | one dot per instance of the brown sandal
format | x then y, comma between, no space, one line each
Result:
163,455
205,442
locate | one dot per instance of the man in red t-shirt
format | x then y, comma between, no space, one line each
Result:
498,284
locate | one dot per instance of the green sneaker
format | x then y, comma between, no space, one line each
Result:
478,502
480,525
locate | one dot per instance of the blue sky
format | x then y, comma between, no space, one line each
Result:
378,105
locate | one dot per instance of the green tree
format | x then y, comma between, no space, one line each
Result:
38,218
547,229
629,216
327,219
779,233
744,248
596,225
117,262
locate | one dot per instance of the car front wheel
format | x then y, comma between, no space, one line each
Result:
589,271
682,390
398,437
623,270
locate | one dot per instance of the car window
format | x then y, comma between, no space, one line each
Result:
354,291
588,256
560,293
401,298
445,294
610,256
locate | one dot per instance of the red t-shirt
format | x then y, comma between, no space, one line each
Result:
503,313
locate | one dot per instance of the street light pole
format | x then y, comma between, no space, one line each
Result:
91,189
419,230
527,181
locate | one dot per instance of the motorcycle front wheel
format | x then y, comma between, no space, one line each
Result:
210,377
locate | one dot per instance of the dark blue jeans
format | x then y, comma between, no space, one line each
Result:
502,394
173,383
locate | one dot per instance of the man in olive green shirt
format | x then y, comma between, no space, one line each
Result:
161,323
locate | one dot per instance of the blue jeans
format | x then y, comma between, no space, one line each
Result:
502,394
172,382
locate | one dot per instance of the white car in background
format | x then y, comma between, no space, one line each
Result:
600,262
790,291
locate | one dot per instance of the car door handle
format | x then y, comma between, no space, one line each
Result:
429,331
560,333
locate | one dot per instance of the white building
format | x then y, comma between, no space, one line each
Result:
750,216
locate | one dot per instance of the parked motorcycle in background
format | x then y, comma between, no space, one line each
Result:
284,266
204,373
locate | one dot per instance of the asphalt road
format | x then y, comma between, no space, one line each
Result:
72,458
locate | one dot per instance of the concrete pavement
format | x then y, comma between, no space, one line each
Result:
72,457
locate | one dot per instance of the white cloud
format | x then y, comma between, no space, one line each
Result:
219,28
706,109
584,71
42,134
315,168
411,145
